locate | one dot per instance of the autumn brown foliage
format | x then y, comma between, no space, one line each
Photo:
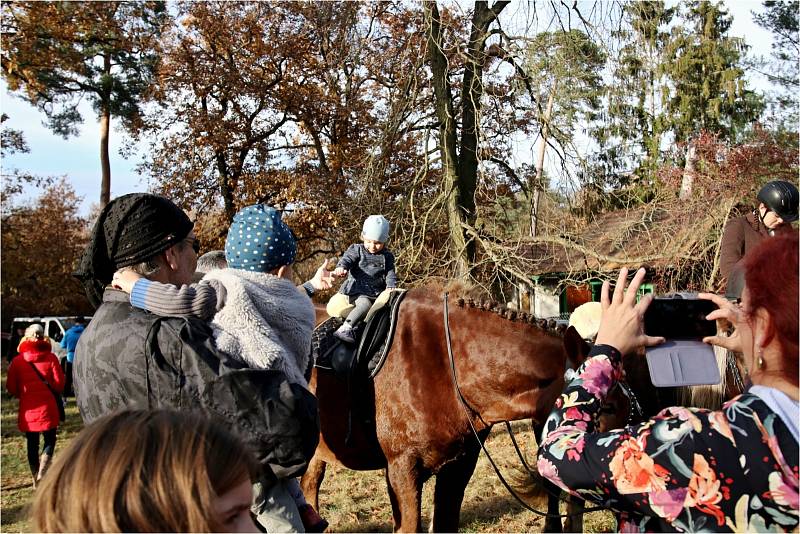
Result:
41,241
728,171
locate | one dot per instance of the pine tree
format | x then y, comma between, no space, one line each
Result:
708,90
55,54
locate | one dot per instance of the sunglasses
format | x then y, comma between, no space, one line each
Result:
195,244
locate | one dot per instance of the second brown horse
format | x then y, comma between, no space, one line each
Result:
410,420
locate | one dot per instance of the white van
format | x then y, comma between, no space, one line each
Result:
54,328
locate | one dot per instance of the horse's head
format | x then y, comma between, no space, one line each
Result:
577,348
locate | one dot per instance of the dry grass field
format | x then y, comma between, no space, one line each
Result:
357,501
351,501
16,492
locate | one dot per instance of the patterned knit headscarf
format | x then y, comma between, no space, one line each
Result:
131,229
258,240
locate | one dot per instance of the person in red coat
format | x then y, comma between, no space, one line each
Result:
38,411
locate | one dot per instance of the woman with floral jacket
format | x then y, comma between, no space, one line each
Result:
687,469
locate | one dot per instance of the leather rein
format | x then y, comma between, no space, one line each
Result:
471,412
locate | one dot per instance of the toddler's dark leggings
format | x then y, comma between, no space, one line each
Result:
363,304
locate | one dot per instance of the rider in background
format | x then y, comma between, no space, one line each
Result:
776,210
369,267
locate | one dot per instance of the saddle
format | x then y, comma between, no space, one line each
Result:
364,360
356,365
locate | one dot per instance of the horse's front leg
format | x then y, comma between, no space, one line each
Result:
405,493
312,480
451,481
552,523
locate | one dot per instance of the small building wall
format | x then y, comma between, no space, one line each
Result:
546,302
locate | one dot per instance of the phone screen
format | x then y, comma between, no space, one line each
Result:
679,318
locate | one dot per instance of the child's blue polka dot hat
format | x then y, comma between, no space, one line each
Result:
258,240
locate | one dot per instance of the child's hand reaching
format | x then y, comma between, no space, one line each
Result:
124,279
340,272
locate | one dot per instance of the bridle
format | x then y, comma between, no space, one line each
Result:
733,369
635,414
471,413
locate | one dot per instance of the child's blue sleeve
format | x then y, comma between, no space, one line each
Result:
139,293
349,258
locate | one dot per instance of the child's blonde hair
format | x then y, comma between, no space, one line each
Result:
142,471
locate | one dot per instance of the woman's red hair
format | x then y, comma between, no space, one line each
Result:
771,276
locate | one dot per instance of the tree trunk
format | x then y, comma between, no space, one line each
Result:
227,185
460,171
688,171
105,163
105,127
536,187
447,135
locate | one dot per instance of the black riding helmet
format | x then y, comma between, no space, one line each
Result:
782,198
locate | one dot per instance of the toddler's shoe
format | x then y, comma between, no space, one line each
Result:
311,519
345,333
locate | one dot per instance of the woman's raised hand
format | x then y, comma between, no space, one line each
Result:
622,321
730,312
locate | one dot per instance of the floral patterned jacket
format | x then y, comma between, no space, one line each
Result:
687,469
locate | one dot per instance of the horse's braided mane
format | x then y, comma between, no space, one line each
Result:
466,296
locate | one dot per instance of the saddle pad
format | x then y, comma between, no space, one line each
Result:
374,342
379,331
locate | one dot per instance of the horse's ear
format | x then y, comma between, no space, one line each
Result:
577,348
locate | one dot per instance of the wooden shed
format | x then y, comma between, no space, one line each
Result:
676,242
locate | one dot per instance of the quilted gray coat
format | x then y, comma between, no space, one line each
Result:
129,358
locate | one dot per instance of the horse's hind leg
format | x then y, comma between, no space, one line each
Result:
451,481
574,521
405,492
552,523
312,480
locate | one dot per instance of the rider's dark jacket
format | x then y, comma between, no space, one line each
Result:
741,235
129,358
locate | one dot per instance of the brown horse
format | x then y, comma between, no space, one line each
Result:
507,369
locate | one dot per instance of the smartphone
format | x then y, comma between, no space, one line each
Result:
679,318
683,360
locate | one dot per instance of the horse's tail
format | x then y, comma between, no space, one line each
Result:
526,480
529,484
712,396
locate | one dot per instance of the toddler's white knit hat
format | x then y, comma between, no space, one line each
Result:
376,228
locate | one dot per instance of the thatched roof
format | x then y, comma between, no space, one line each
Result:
660,236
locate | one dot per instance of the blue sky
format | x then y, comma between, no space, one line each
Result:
78,157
